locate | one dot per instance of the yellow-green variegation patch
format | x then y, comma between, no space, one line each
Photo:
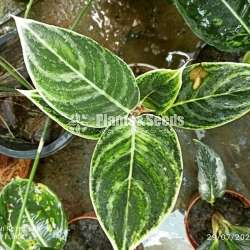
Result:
71,126
213,94
44,223
75,75
159,88
136,173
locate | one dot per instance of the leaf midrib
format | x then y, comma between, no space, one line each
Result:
34,229
207,97
102,92
236,16
130,176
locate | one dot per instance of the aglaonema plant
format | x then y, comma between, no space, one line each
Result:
31,215
136,169
212,185
224,24
226,236
211,175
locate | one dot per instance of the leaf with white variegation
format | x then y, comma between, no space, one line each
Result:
71,126
212,176
159,88
135,177
213,94
75,75
224,24
209,245
44,223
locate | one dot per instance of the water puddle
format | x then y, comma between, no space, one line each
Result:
170,235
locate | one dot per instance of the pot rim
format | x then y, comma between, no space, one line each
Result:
195,199
85,216
145,65
49,149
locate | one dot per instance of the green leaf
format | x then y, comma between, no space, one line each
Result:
44,223
213,94
209,245
14,73
241,229
136,173
212,176
73,127
159,88
75,75
224,24
246,58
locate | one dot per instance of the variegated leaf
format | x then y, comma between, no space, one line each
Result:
213,94
69,125
246,58
212,176
43,224
136,173
75,75
209,245
224,24
159,88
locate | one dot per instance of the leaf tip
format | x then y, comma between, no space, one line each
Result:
16,18
24,92
19,21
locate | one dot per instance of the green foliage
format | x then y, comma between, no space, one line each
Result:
136,170
14,73
227,236
213,94
224,24
75,75
159,88
43,224
72,126
246,58
212,176
135,188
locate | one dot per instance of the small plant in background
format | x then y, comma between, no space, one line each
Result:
212,175
212,186
223,24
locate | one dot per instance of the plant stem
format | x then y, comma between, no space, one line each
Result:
7,126
29,5
80,15
14,73
30,181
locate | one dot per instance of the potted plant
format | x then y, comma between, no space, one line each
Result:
21,132
218,217
136,169
85,232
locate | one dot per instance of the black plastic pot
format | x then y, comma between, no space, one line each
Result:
28,151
